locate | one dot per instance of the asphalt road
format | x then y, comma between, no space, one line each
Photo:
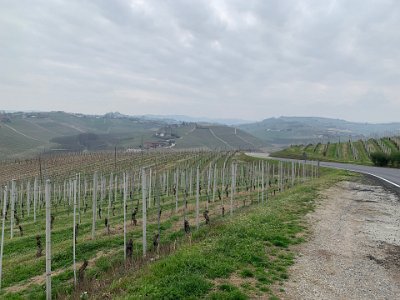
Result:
388,175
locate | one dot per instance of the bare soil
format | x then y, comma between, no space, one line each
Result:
353,250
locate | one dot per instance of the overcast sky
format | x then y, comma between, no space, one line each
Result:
221,59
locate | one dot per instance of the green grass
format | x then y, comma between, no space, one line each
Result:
255,243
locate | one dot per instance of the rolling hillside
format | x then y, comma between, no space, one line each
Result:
284,131
349,151
26,134
210,136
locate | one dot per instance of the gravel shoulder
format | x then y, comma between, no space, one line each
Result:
354,247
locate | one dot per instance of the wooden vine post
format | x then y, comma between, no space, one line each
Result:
35,194
74,233
293,173
125,191
215,182
79,197
150,175
94,191
110,192
144,212
48,240
267,187
12,208
176,189
232,183
159,217
262,182
2,231
28,197
197,196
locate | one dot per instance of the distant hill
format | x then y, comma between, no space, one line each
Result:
285,131
211,136
189,119
23,134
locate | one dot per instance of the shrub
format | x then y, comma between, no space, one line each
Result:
380,159
395,159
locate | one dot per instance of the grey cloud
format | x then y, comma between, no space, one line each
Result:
234,59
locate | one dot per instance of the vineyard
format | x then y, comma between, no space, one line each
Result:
24,135
68,219
360,151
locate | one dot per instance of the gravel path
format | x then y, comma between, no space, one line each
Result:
354,248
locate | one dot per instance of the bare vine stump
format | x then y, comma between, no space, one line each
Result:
76,232
156,241
81,271
186,226
133,217
39,246
129,250
52,218
206,217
